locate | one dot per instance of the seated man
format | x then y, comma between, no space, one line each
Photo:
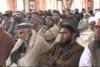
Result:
65,53
88,35
28,48
91,54
50,31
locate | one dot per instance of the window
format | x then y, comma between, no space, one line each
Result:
31,5
20,5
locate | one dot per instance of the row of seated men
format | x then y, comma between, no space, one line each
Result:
58,42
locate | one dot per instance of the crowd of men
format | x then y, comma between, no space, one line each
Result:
50,38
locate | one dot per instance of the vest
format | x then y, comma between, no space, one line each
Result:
95,53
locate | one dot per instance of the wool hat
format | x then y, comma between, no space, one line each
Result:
91,19
70,26
97,18
24,25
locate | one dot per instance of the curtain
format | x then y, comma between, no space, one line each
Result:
11,4
67,3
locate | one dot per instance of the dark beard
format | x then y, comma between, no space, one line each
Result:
63,44
56,21
17,19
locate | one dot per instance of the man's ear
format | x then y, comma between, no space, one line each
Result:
74,35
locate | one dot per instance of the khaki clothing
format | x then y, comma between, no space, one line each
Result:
37,46
50,34
85,38
83,25
38,27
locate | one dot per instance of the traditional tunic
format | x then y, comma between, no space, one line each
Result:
50,34
85,37
37,46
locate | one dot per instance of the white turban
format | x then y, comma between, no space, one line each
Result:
97,15
97,18
91,19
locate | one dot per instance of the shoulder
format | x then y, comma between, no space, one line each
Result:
55,27
91,45
55,30
4,34
40,40
78,46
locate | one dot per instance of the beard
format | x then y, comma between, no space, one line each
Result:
17,19
65,43
56,20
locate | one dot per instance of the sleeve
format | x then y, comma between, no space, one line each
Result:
47,58
72,61
11,28
34,52
85,59
54,30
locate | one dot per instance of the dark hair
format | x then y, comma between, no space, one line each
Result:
69,27
35,13
49,17
56,11
7,15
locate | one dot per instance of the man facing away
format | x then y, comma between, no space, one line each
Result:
6,45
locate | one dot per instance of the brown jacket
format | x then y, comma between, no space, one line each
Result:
6,45
64,57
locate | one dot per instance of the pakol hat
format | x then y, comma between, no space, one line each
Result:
24,25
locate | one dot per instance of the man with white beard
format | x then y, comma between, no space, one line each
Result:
29,47
91,54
